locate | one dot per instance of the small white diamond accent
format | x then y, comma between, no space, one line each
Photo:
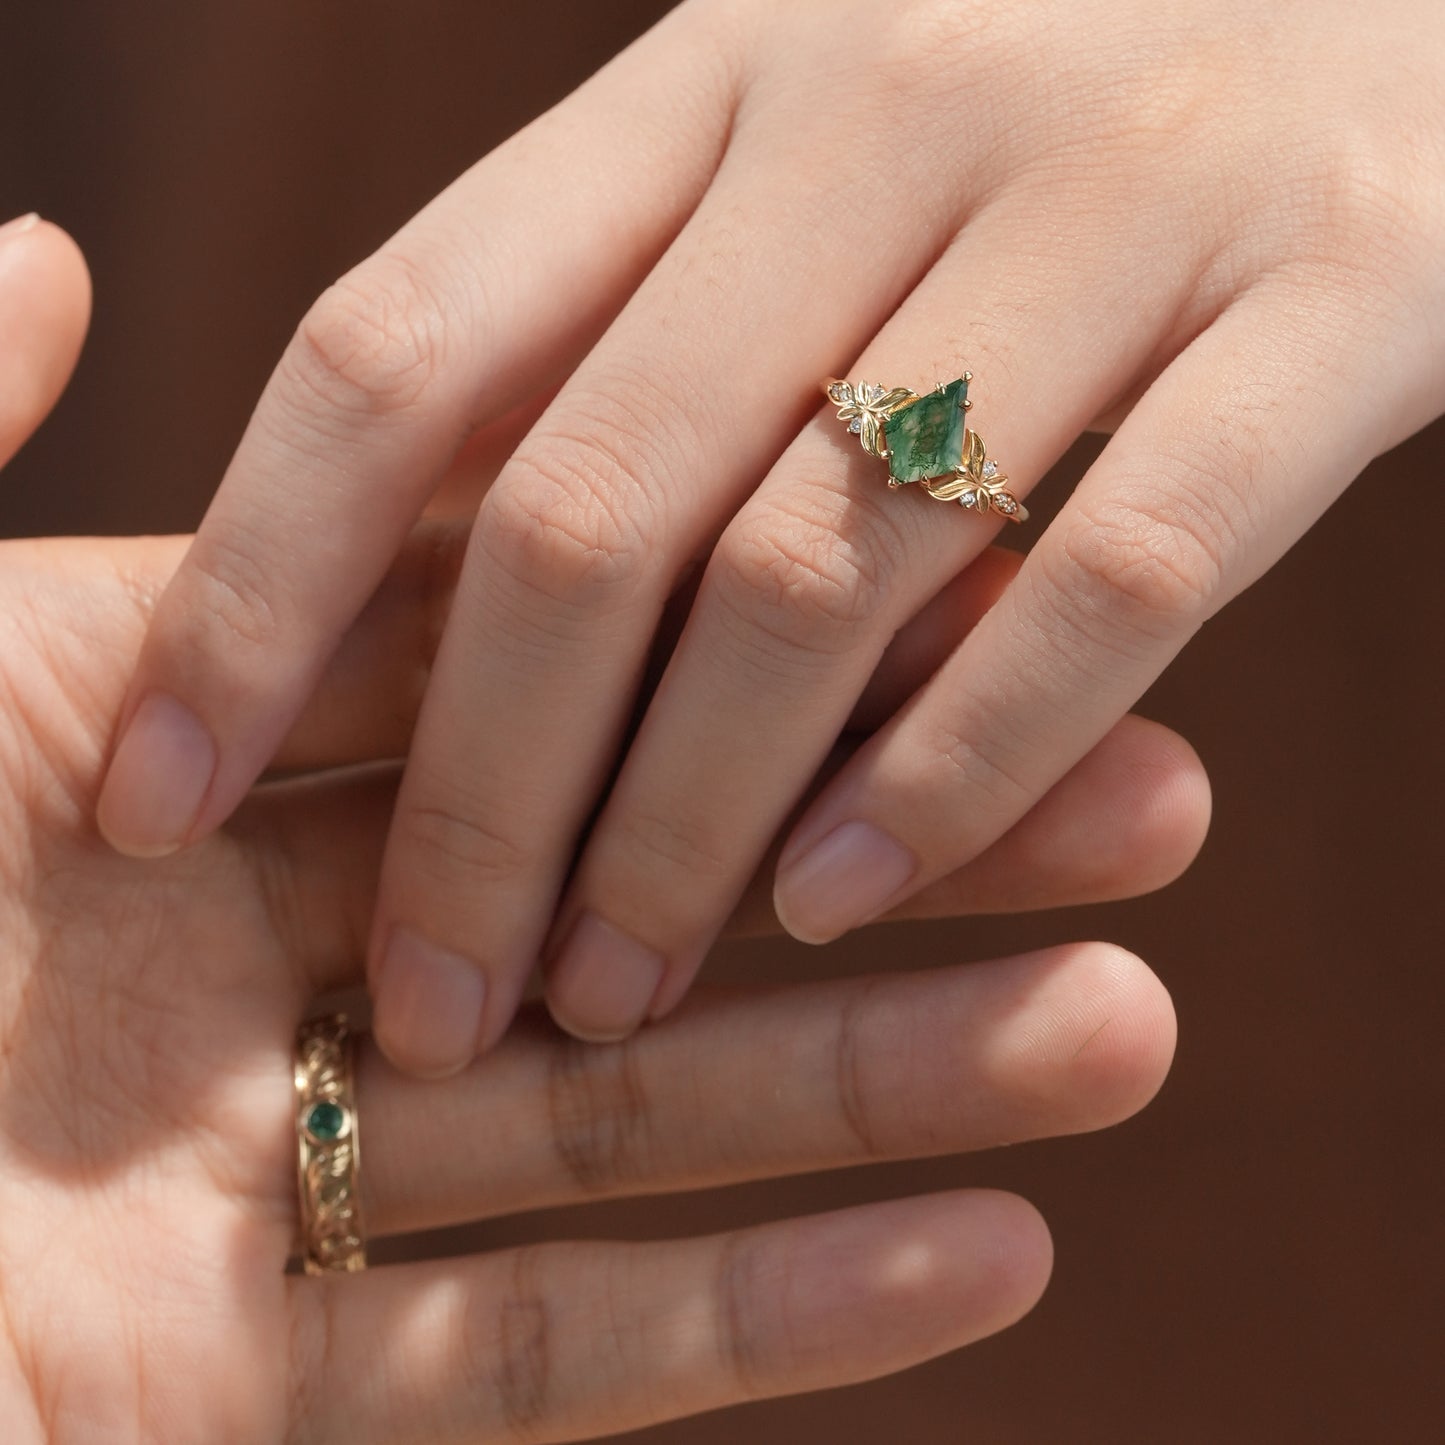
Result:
856,425
968,499
990,469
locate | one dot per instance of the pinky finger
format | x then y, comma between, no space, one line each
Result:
1128,818
576,1341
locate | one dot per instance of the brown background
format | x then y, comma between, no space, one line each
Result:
1258,1257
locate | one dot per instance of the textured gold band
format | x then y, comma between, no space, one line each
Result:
328,1148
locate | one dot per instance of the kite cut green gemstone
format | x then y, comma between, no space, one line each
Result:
326,1121
925,438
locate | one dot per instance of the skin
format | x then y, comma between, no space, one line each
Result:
1214,231
147,1144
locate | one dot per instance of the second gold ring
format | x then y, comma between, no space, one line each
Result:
328,1144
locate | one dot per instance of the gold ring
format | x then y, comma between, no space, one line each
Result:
925,439
328,1147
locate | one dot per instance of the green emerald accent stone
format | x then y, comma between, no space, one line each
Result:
326,1121
925,438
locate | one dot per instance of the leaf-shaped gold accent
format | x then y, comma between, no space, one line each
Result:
895,400
946,489
840,393
870,434
973,454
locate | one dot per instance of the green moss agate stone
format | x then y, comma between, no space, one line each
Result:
925,438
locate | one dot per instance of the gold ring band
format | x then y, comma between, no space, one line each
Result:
926,439
328,1147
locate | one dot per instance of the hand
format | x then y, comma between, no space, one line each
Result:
1220,230
147,1128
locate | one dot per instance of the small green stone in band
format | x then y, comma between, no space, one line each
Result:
925,438
326,1121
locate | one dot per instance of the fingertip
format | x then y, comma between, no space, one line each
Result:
159,777
966,1264
1128,818
70,269
674,988
44,312
602,984
896,1283
13,230
54,269
1095,1042
1126,1035
796,924
1014,1250
581,1030
429,1006
1193,797
1171,805
826,885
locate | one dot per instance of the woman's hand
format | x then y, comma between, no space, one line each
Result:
1219,226
147,1132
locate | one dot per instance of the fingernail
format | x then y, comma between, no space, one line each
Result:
428,1006
158,779
603,981
842,881
19,226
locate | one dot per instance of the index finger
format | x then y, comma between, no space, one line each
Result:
480,300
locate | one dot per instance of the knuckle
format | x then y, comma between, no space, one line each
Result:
599,1116
671,840
928,43
374,341
796,580
575,522
234,586
988,771
1379,191
1156,561
448,844
1360,213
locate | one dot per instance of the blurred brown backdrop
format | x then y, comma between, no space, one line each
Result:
1257,1258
